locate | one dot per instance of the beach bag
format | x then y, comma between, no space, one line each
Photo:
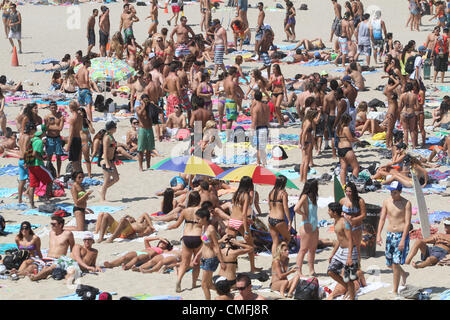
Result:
376,103
59,273
409,66
307,289
99,103
14,258
61,213
87,292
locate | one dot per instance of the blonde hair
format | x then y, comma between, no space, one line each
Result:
210,124
278,250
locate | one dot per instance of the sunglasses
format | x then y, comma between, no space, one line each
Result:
53,224
135,122
24,228
241,288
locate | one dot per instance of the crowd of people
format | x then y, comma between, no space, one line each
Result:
181,82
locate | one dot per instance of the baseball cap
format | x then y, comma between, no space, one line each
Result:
422,49
395,185
347,78
105,296
88,236
40,129
323,73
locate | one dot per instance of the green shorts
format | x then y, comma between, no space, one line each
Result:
146,140
231,110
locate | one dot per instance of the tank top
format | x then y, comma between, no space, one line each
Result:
364,34
377,32
14,17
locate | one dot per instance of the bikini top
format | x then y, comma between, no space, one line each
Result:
208,90
205,238
277,82
29,248
113,143
349,210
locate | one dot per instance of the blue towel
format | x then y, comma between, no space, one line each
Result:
47,61
9,170
91,182
15,228
290,174
69,209
433,140
315,63
7,246
59,103
14,206
286,47
7,192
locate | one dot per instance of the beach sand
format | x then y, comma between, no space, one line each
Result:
45,35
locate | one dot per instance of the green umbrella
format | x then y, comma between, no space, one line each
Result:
108,69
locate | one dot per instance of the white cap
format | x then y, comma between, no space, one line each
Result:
88,236
447,221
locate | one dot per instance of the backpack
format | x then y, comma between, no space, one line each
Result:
409,65
99,103
14,258
307,289
87,292
338,29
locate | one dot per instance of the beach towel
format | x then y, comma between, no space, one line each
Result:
371,286
429,189
433,140
149,297
290,174
47,61
14,206
91,182
75,296
445,295
15,228
7,192
438,175
9,170
7,246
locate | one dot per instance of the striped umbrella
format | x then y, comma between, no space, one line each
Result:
189,165
259,175
108,69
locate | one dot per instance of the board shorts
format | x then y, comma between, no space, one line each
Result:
39,174
91,37
182,50
54,146
104,37
266,59
127,33
15,35
364,49
185,102
320,127
441,63
259,35
172,102
176,9
339,259
260,139
146,140
231,110
335,24
330,123
75,149
437,252
219,51
84,97
23,172
393,254
243,5
343,45
209,264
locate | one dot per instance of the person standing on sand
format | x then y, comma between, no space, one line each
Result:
90,34
84,87
104,29
220,46
24,142
146,139
108,158
260,114
337,17
127,18
398,211
53,145
74,144
259,27
15,26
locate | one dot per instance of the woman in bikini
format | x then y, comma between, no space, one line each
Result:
30,114
219,92
278,210
107,161
392,112
27,240
231,250
86,142
131,50
240,74
290,23
205,90
277,84
354,212
345,151
408,106
307,142
56,82
239,223
210,255
80,197
170,207
309,232
154,16
117,46
361,116
420,114
2,113
192,241
257,83
69,84
281,270
132,136
6,6
404,176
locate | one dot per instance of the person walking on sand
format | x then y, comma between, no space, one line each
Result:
104,29
398,211
84,87
53,145
24,141
127,18
90,34
260,114
15,26
108,158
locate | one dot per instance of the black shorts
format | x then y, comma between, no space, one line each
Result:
91,37
441,63
320,128
103,38
75,149
330,123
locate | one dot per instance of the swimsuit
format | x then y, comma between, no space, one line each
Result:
343,45
312,216
53,146
158,250
266,59
261,137
127,232
146,140
231,110
437,252
127,33
393,254
192,242
75,149
219,50
235,224
351,211
339,259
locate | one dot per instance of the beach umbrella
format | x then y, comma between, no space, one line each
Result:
111,69
189,165
259,175
338,190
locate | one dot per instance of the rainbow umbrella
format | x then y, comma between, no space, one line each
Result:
260,175
108,69
189,165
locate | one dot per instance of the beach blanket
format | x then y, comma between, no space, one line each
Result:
149,297
371,286
9,170
433,140
290,174
438,175
14,206
15,228
7,246
429,189
74,296
445,295
91,182
7,192
47,61
69,209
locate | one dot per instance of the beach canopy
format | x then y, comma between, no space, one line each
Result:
108,69
259,174
189,165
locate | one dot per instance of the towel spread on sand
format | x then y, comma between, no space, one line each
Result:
7,246
69,209
15,228
371,286
7,192
14,206
9,170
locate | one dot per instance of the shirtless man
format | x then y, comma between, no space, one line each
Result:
155,72
127,18
231,111
60,241
337,17
175,121
431,41
200,115
329,108
244,286
184,83
146,139
24,142
263,50
126,228
154,93
74,144
355,72
344,39
398,211
301,98
137,89
220,46
84,87
172,85
260,114
350,91
55,124
345,254
259,27
104,29
182,31
90,34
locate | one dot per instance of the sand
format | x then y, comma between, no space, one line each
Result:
45,35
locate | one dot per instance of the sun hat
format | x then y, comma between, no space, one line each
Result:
88,236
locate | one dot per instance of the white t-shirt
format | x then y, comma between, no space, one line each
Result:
417,63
